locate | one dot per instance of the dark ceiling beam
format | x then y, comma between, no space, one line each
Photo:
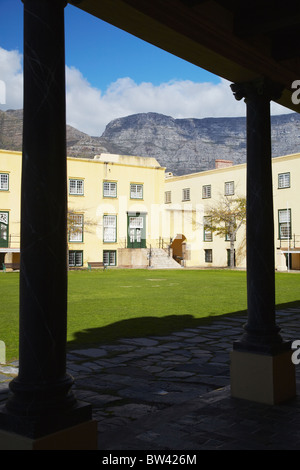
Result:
286,45
192,3
252,19
248,27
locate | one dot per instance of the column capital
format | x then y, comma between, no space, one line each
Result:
260,87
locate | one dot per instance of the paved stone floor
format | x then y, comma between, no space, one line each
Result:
172,392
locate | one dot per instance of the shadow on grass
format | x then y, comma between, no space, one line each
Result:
153,326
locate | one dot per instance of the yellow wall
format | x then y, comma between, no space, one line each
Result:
189,214
284,198
123,171
287,198
163,220
92,204
10,163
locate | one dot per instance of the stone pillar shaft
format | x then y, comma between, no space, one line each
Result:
261,368
41,399
261,332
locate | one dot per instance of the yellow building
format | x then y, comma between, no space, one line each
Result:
10,194
115,206
121,206
189,197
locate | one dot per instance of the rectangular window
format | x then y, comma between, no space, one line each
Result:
283,180
110,228
167,197
284,224
207,231
230,228
109,189
75,258
76,187
109,257
186,194
136,191
208,256
206,191
3,182
136,222
229,188
75,227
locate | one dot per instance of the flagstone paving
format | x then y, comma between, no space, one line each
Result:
172,392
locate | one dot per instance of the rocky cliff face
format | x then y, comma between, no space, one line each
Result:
190,145
181,145
79,144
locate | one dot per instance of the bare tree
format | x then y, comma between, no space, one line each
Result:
77,223
225,218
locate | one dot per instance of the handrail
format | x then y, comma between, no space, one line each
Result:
292,242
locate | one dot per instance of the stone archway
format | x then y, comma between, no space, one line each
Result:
178,248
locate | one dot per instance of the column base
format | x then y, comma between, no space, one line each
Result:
262,378
80,437
35,427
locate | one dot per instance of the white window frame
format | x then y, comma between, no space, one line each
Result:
284,224
229,188
75,258
136,190
109,228
4,217
206,191
186,194
76,187
208,255
168,197
76,228
207,231
110,257
4,182
136,222
109,189
284,180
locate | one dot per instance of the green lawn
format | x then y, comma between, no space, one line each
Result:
106,305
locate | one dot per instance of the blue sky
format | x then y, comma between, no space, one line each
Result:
111,74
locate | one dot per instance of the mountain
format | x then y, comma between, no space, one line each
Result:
181,145
190,145
79,144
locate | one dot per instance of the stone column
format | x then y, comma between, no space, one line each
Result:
260,357
41,400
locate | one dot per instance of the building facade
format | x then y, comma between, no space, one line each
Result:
189,198
115,207
121,208
10,194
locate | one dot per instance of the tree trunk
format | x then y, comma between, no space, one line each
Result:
232,237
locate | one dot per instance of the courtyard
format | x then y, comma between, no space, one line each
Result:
105,306
160,380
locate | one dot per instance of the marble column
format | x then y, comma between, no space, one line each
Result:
261,335
41,400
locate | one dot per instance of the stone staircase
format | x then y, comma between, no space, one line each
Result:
161,260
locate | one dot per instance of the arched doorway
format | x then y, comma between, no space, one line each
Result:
178,248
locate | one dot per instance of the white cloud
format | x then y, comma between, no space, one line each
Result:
90,110
11,77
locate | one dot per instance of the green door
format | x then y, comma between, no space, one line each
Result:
136,230
4,229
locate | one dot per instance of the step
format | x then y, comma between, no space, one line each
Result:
161,260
